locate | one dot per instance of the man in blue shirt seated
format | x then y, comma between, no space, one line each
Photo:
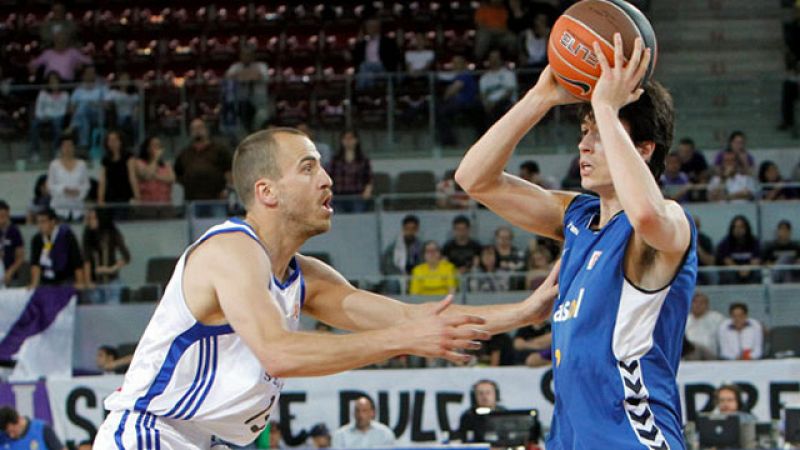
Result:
21,433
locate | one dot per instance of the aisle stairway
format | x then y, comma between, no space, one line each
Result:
723,61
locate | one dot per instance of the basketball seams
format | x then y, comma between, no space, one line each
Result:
627,17
589,29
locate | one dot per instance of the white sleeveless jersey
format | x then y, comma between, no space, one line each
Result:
185,370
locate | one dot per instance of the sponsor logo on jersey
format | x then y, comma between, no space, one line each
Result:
593,259
569,309
572,228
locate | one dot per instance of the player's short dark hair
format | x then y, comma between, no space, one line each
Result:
411,218
112,351
47,212
687,141
530,165
651,118
255,157
737,305
4,206
461,219
8,416
782,224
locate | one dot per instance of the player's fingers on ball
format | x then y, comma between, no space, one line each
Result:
643,65
601,57
619,53
636,56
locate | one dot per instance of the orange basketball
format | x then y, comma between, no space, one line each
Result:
570,51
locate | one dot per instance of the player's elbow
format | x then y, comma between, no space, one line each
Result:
646,219
472,181
278,365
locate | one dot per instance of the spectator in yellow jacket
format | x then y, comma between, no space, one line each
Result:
436,276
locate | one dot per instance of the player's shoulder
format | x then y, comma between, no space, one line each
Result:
228,247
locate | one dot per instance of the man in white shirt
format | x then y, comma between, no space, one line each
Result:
498,88
702,327
739,336
366,432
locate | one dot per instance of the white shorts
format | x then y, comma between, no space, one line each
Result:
131,430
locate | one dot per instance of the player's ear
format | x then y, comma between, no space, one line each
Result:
265,192
646,149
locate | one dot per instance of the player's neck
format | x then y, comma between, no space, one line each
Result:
609,207
280,242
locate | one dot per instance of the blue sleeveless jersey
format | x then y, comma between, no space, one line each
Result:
33,439
616,348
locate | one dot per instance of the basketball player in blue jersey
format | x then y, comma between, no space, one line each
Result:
225,334
628,266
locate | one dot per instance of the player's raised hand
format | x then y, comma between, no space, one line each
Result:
551,91
619,84
438,335
540,304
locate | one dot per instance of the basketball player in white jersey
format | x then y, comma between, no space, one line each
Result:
212,359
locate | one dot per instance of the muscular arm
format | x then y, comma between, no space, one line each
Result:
237,286
481,173
659,223
331,299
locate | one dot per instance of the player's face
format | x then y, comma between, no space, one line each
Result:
726,402
595,175
304,189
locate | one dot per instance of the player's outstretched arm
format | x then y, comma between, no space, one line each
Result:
481,173
660,223
333,300
240,281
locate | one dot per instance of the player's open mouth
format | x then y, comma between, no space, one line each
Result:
586,168
326,204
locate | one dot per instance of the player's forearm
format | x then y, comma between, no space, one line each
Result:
636,189
307,354
485,161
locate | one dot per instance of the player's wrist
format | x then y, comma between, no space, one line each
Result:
538,98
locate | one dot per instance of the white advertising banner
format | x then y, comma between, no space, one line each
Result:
420,404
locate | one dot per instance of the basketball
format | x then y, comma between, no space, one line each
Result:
570,52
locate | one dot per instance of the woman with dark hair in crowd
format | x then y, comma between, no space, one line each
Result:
105,253
154,176
117,174
739,248
351,172
772,188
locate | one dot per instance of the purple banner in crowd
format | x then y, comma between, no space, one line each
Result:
24,396
40,312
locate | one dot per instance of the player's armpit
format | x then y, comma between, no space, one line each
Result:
526,205
330,298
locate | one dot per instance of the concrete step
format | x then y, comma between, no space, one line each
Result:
726,9
729,35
